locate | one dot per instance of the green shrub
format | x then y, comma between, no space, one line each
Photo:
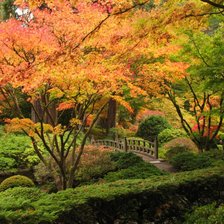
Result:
7,164
120,132
98,133
152,126
130,166
159,199
174,151
95,163
215,154
138,171
16,181
179,145
190,161
16,205
125,160
207,214
17,148
169,134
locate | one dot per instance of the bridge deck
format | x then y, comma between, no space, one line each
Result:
160,164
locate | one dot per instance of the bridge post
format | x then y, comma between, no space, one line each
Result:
125,144
92,140
156,147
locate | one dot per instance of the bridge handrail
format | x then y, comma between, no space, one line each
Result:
136,145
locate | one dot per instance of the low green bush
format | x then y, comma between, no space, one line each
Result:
16,181
159,199
152,126
130,166
179,145
140,171
7,164
125,160
207,214
16,152
190,161
174,152
215,154
170,133
16,205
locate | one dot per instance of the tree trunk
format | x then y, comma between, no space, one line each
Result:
111,115
50,118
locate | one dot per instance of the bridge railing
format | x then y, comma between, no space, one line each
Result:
148,148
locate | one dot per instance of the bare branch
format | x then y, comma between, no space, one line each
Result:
217,5
205,14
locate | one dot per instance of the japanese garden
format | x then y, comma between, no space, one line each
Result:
111,112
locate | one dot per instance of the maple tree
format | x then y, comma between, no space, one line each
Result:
55,63
75,66
197,70
202,88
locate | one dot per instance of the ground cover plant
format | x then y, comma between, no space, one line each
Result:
207,214
184,161
158,199
131,166
16,152
177,145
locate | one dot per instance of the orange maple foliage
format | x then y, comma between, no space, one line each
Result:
66,64
76,55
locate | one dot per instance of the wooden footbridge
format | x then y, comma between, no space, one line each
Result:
137,146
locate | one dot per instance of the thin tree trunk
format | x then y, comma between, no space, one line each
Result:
111,115
81,150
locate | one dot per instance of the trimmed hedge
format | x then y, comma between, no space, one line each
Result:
139,171
125,160
187,161
130,166
169,134
16,181
158,199
179,145
207,214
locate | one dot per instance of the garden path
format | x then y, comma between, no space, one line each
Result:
160,164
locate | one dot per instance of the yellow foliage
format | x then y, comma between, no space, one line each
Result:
47,128
20,125
58,130
122,102
75,121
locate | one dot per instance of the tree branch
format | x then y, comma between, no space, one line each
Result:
217,5
205,14
97,27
